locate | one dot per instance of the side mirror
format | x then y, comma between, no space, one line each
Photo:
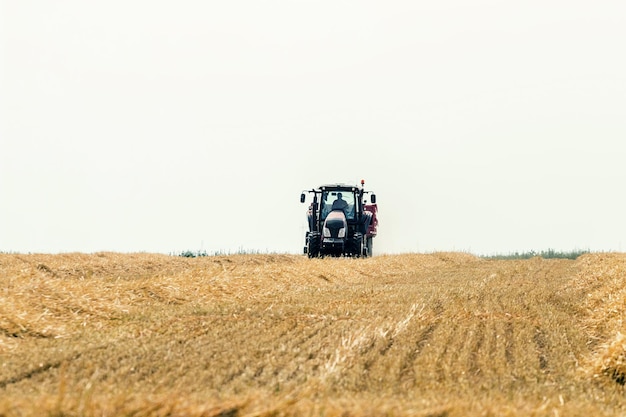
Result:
373,198
302,198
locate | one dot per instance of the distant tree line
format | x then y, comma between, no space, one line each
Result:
546,254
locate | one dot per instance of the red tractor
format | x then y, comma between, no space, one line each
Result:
341,223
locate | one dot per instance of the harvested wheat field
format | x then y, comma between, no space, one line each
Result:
444,334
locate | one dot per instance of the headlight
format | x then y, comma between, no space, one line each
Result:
342,232
326,232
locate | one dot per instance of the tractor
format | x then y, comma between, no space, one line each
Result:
341,222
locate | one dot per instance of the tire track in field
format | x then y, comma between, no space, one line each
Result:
288,350
267,353
475,345
541,343
509,342
368,356
496,328
48,366
442,353
36,371
460,350
407,372
521,324
304,355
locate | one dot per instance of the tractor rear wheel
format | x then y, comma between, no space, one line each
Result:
369,248
357,245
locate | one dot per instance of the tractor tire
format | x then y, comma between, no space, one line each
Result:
313,245
369,246
356,249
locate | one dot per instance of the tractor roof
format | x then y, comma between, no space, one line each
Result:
338,187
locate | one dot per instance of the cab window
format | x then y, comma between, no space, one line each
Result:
340,200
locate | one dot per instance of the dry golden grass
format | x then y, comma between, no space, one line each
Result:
444,334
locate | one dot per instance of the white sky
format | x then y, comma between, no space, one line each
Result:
163,126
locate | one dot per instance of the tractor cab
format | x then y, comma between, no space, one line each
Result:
338,200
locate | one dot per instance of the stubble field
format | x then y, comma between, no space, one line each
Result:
444,334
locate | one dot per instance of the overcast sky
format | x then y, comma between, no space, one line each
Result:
163,126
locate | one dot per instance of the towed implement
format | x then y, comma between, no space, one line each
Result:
341,222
